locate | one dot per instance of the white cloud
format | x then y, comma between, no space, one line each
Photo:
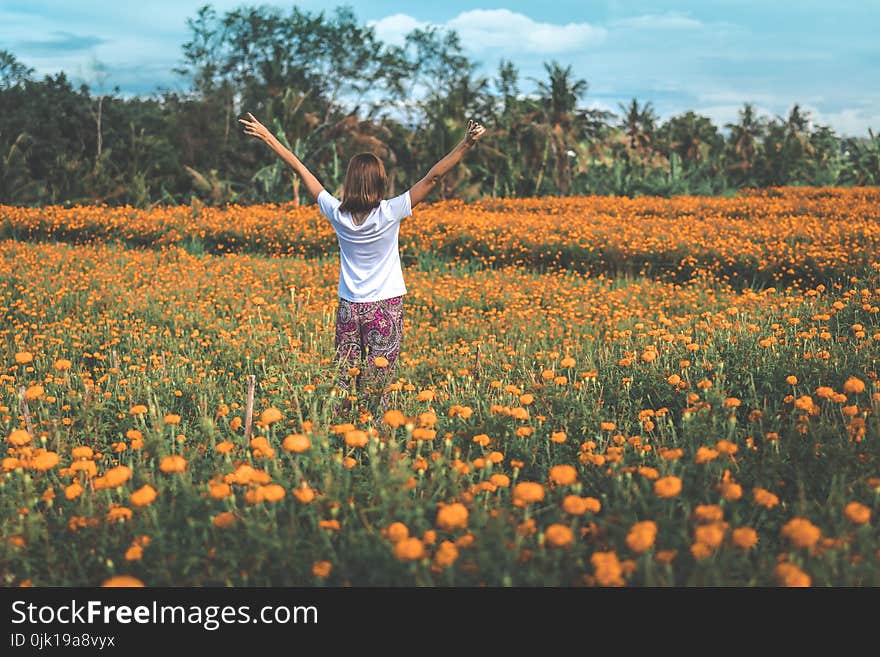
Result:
848,122
667,21
392,29
507,30
499,29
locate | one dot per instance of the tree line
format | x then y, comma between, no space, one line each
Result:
329,87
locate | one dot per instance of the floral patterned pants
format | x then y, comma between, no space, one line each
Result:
364,332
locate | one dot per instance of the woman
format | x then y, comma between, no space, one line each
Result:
369,320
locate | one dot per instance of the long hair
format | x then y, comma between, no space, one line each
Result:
364,185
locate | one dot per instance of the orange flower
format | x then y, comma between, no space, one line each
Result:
356,438
118,514
172,419
122,581
44,461
788,574
24,357
18,437
641,536
224,447
380,361
667,487
564,475
34,392
745,538
322,569
801,533
710,535
708,513
558,437
143,496
73,491
452,517
138,409
446,554
223,520
500,480
397,531
854,386
394,419
409,549
559,536
273,493
270,416
578,506
857,513
219,490
764,498
304,494
62,365
527,492
82,452
297,443
607,569
173,463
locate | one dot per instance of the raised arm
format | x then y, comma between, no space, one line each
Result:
421,189
256,129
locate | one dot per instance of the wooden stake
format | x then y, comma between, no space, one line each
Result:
25,411
249,409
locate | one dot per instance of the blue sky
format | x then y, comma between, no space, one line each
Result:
709,56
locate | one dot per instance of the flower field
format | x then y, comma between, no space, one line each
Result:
592,391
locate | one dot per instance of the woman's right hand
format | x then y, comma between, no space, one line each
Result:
254,128
475,130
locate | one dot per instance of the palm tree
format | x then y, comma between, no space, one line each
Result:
559,123
691,136
638,123
743,143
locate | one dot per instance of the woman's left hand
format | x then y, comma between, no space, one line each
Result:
254,128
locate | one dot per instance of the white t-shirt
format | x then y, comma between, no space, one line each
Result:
369,260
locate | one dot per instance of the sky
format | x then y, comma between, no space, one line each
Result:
709,56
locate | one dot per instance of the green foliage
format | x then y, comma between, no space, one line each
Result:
328,87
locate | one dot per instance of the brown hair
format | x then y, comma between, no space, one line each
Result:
364,185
